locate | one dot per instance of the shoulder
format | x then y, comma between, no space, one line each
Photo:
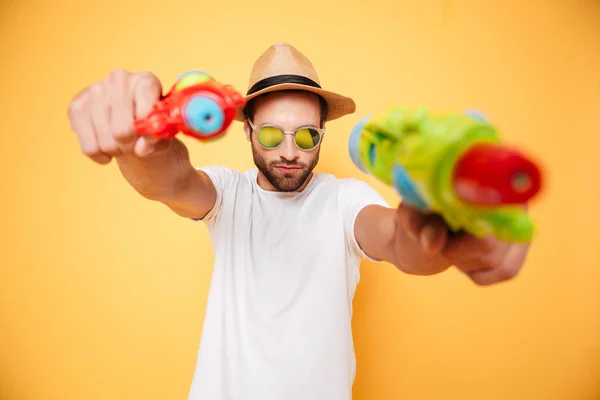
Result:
350,190
330,180
223,177
352,186
227,182
218,170
356,193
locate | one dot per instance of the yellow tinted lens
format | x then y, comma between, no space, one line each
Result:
270,137
307,138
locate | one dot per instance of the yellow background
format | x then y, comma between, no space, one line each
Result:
102,293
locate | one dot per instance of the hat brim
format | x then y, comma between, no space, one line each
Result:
338,105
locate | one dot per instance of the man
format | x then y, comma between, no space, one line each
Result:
288,242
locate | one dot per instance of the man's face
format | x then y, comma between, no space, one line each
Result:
287,167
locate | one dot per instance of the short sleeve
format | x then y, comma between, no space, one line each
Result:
223,179
354,195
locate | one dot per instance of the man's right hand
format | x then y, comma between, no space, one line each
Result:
102,116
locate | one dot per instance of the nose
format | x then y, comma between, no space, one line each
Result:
288,150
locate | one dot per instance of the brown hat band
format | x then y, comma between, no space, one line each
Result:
279,79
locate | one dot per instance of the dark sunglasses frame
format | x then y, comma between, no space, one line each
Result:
256,128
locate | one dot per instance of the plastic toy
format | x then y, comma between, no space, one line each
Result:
197,105
452,165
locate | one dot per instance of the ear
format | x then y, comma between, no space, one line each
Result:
247,129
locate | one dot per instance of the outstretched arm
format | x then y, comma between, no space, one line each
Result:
168,177
420,244
102,117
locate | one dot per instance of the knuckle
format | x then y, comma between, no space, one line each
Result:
77,104
117,74
110,148
97,89
146,76
90,150
147,80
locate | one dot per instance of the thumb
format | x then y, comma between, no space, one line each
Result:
146,90
147,145
429,230
410,220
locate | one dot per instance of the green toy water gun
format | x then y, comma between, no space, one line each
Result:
450,164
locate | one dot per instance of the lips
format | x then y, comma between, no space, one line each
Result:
288,169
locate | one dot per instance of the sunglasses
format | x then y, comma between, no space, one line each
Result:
271,137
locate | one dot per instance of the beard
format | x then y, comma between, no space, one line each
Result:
285,182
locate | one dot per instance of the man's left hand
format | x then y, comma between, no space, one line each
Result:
484,260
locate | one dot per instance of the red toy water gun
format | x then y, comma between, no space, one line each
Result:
197,105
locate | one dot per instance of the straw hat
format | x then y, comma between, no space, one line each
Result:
283,67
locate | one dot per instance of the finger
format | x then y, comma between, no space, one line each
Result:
429,230
463,246
88,142
121,109
486,277
433,235
472,265
147,90
81,123
101,115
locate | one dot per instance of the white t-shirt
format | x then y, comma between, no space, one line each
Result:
278,317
